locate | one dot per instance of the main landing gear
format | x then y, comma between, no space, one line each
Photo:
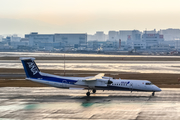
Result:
153,93
88,93
94,90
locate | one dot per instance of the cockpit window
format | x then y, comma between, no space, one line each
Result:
148,83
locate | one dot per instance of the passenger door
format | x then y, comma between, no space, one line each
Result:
131,86
64,82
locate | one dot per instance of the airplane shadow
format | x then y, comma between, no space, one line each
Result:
119,96
92,100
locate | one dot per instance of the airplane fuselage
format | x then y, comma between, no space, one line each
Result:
76,83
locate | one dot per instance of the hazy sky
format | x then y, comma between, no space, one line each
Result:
87,16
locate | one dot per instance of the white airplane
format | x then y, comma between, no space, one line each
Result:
98,82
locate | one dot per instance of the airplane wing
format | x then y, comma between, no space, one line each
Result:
98,76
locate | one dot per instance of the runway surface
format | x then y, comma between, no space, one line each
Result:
105,65
53,103
36,54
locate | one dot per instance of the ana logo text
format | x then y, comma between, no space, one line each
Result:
125,82
33,68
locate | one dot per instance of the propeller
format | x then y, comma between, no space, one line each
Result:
109,81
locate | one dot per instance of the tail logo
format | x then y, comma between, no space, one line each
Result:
33,68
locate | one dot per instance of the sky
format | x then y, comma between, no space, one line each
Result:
87,16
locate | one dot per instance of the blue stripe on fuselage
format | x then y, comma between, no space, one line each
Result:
119,88
54,79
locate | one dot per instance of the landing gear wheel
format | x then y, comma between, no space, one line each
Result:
153,93
88,94
94,90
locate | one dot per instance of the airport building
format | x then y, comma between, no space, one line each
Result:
15,38
91,37
16,45
48,42
100,36
110,46
78,40
152,39
167,39
4,44
138,45
134,41
40,41
1,37
135,34
177,45
113,36
170,34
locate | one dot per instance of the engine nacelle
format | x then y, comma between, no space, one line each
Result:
105,81
94,83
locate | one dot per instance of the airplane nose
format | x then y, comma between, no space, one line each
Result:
155,88
158,89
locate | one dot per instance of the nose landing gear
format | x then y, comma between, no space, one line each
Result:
153,93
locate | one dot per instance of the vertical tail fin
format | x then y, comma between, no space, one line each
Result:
30,67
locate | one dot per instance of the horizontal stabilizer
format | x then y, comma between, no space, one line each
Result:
27,58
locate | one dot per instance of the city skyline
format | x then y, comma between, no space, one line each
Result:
79,16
